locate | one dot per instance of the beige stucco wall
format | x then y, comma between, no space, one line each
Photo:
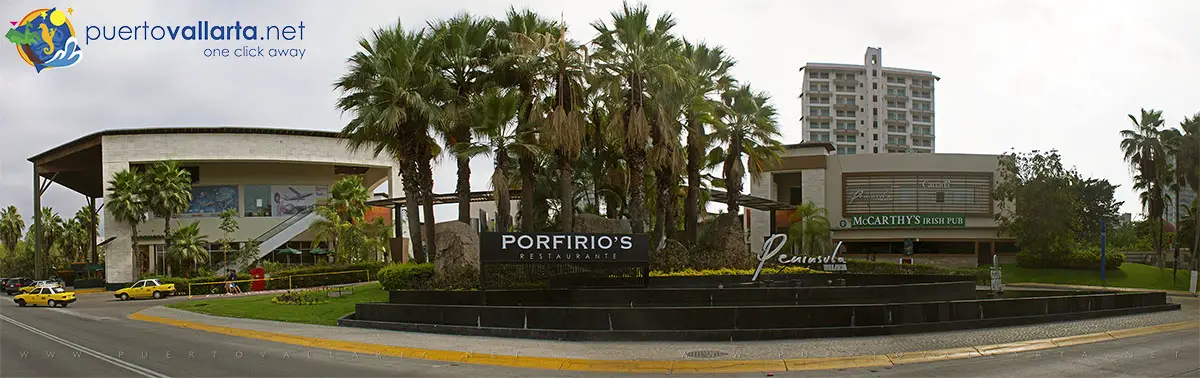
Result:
231,159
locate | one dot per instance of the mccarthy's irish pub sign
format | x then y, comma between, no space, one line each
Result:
904,221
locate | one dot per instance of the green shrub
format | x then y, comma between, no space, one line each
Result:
406,276
777,269
314,276
302,297
856,266
1084,259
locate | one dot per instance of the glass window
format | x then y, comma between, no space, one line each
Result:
56,290
258,200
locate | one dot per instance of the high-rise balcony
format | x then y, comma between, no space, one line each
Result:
843,131
845,106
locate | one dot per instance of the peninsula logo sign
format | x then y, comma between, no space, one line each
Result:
45,38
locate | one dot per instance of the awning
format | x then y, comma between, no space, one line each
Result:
289,251
756,203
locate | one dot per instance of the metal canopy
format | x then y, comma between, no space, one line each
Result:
756,203
444,198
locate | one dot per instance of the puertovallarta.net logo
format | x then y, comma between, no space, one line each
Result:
45,38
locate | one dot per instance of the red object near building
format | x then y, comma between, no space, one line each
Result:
259,282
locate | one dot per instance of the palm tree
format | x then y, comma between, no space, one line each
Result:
523,73
494,120
126,202
12,226
348,198
188,246
168,192
809,230
636,53
705,75
390,88
52,229
666,157
463,55
1144,151
331,228
89,224
1183,147
749,128
564,62
73,237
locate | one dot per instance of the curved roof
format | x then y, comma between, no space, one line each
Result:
188,130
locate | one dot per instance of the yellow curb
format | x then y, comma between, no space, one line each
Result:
934,355
1081,339
668,366
90,290
826,363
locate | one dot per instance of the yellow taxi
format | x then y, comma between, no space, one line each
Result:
38,285
145,289
46,296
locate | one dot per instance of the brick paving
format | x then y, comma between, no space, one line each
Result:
850,346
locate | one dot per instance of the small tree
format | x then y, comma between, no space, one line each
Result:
188,247
228,225
809,229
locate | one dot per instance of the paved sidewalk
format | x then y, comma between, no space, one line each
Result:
657,351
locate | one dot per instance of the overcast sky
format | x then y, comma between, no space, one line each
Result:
1015,74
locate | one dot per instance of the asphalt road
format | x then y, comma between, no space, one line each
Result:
93,338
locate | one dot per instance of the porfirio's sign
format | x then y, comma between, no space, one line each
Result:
770,249
906,221
510,247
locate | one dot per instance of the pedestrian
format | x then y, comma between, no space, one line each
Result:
233,287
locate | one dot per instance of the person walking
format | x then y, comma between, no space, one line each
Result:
233,287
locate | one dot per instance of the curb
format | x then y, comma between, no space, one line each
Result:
91,290
1176,293
672,366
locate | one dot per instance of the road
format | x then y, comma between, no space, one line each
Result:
94,338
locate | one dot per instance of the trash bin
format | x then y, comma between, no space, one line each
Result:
258,283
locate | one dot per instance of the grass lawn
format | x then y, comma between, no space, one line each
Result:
261,307
1129,275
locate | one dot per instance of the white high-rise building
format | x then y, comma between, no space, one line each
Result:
868,108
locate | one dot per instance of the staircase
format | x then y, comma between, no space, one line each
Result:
278,235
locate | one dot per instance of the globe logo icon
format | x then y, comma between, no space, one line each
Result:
45,39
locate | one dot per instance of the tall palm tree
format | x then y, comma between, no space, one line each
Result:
390,87
12,226
52,229
665,156
126,202
563,62
1146,155
495,120
706,73
465,47
523,73
188,246
1183,147
89,221
168,192
809,230
748,128
636,53
73,237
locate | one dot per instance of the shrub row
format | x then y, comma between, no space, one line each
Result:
302,297
1077,259
406,276
300,278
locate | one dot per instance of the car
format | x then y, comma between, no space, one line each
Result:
39,284
46,296
13,285
145,289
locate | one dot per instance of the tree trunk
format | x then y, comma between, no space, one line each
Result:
528,181
464,184
566,187
427,200
134,250
412,192
636,156
503,198
691,205
667,185
167,232
733,181
1175,240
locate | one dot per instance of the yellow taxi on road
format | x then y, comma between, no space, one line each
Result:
145,289
46,296
38,285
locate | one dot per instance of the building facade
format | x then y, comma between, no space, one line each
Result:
868,108
272,178
933,208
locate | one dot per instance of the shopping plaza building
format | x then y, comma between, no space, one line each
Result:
272,178
933,208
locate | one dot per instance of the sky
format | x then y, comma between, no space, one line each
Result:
1015,75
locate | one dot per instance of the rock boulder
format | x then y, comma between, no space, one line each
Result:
457,248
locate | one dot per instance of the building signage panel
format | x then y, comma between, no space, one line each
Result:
906,221
511,247
916,193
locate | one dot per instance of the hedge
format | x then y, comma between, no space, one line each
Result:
735,272
406,276
1077,259
301,278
